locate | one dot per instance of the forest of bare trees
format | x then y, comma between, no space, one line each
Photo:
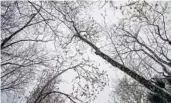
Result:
45,42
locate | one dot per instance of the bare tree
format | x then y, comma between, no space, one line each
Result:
142,39
25,33
19,52
128,91
79,29
22,55
140,45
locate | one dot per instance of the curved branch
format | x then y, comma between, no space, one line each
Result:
67,95
19,30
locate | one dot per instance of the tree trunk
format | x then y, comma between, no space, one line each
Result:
149,85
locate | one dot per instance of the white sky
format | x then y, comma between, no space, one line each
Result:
111,18
103,97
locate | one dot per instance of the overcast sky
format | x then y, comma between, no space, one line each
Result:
111,16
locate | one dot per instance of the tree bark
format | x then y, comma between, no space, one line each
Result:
149,85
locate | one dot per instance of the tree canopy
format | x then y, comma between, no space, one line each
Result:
41,41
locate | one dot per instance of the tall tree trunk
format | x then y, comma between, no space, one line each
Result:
149,85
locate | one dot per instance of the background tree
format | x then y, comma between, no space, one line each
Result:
163,83
120,36
139,45
128,91
27,58
143,38
20,54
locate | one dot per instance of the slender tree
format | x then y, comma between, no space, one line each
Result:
139,45
78,28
